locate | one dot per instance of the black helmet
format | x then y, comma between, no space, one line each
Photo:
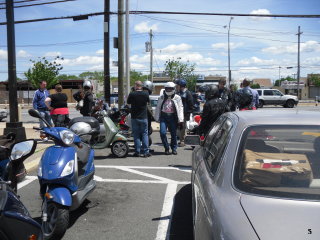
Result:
203,88
244,97
212,92
147,85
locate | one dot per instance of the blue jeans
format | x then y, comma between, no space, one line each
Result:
140,131
170,122
46,116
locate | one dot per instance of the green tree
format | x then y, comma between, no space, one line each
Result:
315,79
137,76
256,85
67,77
96,75
176,69
43,70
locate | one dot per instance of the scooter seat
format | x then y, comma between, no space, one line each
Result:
93,122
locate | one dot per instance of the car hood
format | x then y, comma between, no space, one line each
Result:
274,218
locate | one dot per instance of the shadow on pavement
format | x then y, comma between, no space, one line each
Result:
181,223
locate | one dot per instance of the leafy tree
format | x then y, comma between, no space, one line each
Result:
315,79
96,75
43,70
137,76
256,85
176,69
67,77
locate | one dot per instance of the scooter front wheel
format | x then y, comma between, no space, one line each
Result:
120,149
57,221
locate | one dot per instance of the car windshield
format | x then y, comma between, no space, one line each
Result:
280,161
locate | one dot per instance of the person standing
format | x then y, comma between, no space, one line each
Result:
212,110
169,113
139,119
187,101
255,96
58,105
38,102
88,102
224,94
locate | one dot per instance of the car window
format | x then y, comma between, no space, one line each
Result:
277,93
213,130
259,92
218,145
280,161
268,92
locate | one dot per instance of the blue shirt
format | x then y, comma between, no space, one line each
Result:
255,97
39,98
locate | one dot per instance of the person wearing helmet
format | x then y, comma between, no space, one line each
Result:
225,94
187,101
139,120
148,87
169,113
88,102
212,110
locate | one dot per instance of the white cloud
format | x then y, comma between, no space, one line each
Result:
137,66
224,46
52,54
260,11
309,46
173,48
312,61
23,54
82,60
255,60
100,52
144,27
3,54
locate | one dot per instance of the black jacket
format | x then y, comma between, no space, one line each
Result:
88,104
187,101
212,110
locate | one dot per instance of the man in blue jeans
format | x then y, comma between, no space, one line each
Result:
38,102
139,120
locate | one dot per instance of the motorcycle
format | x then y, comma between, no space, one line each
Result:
15,220
65,173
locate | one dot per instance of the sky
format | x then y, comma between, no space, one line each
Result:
259,47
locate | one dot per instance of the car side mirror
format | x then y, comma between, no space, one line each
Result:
192,140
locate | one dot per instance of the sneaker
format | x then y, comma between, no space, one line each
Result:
147,155
174,152
136,155
181,144
167,152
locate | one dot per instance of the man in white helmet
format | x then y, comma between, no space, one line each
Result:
88,102
169,113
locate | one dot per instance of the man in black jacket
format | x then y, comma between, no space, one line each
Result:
212,110
187,101
87,97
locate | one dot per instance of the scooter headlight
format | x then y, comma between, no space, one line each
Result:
68,169
67,137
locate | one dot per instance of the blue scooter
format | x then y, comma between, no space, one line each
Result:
15,220
65,174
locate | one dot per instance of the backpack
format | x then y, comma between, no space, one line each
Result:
243,97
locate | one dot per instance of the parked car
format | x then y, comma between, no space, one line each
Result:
275,97
3,114
257,176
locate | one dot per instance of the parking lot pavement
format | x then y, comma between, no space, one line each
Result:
135,198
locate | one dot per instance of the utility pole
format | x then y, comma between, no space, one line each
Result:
120,52
151,56
229,70
14,125
106,54
279,73
127,49
298,71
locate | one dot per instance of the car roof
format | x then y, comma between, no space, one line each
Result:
277,117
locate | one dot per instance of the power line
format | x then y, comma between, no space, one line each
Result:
37,4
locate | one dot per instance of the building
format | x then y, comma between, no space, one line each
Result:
263,82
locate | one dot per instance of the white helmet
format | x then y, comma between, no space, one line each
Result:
87,84
169,88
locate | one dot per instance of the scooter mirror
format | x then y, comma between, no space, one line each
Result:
34,113
22,150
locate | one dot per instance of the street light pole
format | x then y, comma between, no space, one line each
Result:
229,51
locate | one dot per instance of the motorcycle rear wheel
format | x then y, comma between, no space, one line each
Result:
57,221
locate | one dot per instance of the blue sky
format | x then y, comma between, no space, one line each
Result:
258,46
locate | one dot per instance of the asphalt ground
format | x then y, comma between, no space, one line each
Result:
135,198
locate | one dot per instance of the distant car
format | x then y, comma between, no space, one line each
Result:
3,114
275,97
257,176
154,102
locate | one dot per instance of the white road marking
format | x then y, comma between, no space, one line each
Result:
166,213
29,179
99,179
184,169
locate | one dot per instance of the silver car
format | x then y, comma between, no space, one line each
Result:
257,176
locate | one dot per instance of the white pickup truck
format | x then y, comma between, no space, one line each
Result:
275,97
